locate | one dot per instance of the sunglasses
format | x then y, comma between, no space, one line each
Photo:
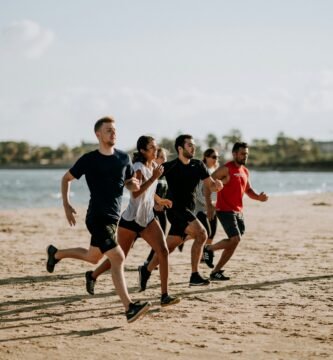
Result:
214,157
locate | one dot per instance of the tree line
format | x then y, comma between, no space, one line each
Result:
285,153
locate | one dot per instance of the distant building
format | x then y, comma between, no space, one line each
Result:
325,147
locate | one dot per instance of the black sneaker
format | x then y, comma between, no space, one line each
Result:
208,256
136,310
90,283
218,276
167,300
144,276
197,280
51,260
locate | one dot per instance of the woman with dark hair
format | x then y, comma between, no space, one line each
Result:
161,191
210,158
138,219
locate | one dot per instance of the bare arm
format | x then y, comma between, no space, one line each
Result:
162,202
255,196
220,174
157,172
65,188
214,185
132,184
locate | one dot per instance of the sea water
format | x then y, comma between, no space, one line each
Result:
41,188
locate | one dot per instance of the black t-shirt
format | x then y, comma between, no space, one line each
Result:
182,180
105,176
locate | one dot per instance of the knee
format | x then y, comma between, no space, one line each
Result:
118,257
162,252
234,241
202,236
94,259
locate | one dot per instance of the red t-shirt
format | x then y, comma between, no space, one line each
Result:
230,198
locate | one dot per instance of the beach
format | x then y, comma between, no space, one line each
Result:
277,305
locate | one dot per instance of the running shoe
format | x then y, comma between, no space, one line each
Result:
197,280
90,283
144,276
208,256
167,300
218,276
136,310
51,260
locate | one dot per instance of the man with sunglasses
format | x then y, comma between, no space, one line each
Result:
229,207
183,175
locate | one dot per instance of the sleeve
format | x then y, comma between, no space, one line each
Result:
80,167
129,171
204,173
137,166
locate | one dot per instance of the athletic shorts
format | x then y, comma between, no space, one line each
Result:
232,222
179,220
133,226
103,233
209,225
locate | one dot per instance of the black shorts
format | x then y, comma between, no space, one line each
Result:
209,225
103,233
179,220
232,222
131,225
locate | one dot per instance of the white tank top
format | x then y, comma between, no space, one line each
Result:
140,209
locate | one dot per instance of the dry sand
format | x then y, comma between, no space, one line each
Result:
277,305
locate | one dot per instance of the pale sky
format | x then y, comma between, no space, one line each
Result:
164,67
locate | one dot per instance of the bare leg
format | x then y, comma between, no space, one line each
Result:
105,266
117,258
228,246
92,255
154,236
172,243
196,231
125,240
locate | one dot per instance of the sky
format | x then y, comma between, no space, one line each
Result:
165,67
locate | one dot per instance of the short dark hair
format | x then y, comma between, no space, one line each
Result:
100,122
180,141
239,145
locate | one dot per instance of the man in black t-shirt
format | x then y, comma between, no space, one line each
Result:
183,175
107,170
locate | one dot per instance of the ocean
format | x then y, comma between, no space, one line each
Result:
41,188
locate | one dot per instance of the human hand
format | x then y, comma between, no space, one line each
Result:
133,184
69,212
262,197
218,185
166,202
210,211
157,172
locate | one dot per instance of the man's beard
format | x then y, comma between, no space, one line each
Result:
241,162
187,155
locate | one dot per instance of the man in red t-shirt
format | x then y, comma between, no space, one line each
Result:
229,207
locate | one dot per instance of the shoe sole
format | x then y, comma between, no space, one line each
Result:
140,314
201,284
217,280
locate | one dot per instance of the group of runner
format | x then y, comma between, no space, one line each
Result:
179,190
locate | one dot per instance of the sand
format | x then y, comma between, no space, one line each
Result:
277,305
